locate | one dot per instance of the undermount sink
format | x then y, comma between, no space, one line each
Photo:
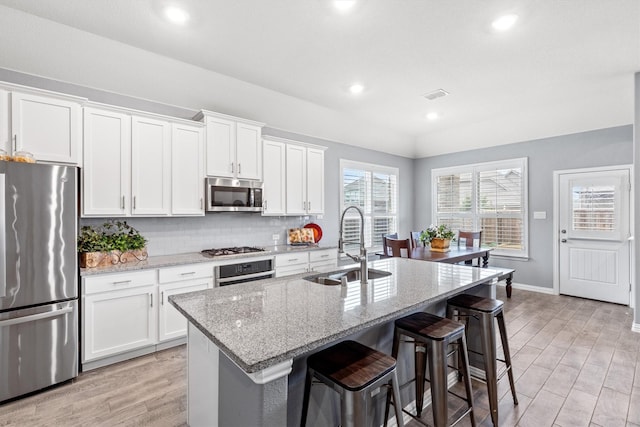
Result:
353,275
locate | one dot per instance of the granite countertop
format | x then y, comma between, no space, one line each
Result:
194,258
261,324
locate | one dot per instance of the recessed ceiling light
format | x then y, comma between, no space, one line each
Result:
504,22
433,116
356,88
344,5
176,15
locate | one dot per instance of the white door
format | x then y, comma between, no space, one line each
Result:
296,180
150,166
48,128
106,187
594,228
221,137
273,193
187,181
315,181
248,151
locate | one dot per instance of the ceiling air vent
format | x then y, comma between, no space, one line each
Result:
438,93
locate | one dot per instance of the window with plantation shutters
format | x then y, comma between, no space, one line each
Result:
373,189
490,197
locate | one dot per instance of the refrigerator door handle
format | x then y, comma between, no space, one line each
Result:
34,317
3,240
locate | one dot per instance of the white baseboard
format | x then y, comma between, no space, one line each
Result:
531,288
635,327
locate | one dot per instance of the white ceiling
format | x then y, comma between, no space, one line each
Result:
567,66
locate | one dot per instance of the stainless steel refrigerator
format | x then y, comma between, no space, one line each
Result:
38,277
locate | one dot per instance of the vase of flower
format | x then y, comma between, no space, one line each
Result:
439,238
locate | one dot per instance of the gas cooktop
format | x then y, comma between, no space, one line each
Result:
231,251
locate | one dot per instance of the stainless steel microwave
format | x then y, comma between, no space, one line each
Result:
233,195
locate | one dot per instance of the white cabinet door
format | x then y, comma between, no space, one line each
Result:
315,181
118,321
274,170
187,171
106,183
171,323
5,133
248,151
221,137
150,167
296,180
48,128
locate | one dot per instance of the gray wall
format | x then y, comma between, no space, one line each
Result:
604,147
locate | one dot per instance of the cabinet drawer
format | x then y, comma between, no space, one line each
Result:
291,270
295,258
323,255
323,265
185,272
113,282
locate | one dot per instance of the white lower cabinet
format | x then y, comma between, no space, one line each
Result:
125,315
298,262
118,313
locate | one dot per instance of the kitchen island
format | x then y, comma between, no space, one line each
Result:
248,343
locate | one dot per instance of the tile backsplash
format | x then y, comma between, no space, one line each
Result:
180,235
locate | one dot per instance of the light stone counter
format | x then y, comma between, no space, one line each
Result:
262,327
195,258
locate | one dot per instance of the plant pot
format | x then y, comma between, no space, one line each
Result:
440,245
133,256
98,259
102,259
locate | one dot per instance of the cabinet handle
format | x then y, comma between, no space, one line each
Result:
188,273
162,298
239,168
231,167
122,282
122,204
134,202
304,206
309,205
324,256
293,259
15,143
151,296
264,206
201,203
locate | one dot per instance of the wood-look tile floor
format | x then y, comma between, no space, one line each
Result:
576,363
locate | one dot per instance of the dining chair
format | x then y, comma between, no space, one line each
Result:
394,247
470,237
384,242
415,239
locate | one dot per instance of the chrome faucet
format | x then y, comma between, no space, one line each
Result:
362,258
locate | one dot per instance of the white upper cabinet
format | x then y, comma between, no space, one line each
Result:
315,181
50,128
106,183
305,179
150,166
187,170
274,171
296,180
233,146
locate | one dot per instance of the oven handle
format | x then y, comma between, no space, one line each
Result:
264,274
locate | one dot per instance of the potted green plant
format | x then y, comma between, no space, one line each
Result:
113,242
439,237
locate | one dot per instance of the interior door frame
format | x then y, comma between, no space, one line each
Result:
556,224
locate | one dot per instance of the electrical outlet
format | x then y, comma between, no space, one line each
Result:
275,237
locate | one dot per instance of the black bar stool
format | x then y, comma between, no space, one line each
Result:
353,370
486,310
431,337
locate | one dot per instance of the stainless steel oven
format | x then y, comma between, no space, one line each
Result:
242,272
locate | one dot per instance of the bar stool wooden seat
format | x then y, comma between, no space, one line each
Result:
354,371
486,310
431,337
